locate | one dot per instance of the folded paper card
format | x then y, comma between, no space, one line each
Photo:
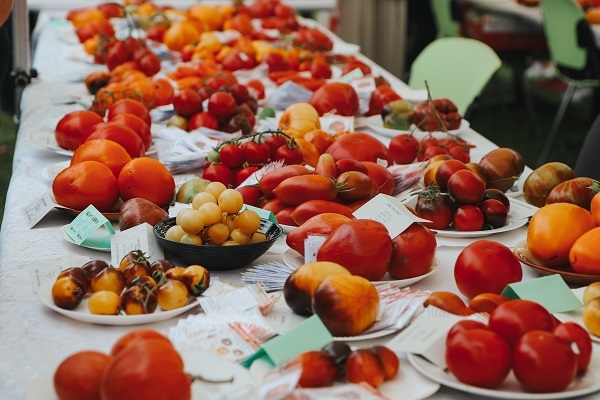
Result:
88,221
139,237
550,291
309,335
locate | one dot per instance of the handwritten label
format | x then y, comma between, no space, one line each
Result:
37,209
87,222
520,210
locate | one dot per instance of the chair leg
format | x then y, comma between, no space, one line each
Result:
556,124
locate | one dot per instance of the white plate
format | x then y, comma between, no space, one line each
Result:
287,228
197,362
293,259
577,315
511,225
97,234
69,153
366,336
510,388
376,124
81,313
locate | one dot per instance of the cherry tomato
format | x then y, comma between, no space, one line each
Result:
275,142
243,173
468,218
543,362
187,102
464,325
203,119
514,318
459,152
404,148
231,155
575,335
240,93
296,190
495,213
219,173
222,105
436,207
472,271
478,357
256,153
429,152
465,187
446,170
289,154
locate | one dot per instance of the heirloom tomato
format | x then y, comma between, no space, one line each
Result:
503,166
404,148
284,216
321,224
129,106
78,376
256,153
478,357
472,271
296,190
121,134
468,218
575,335
348,164
436,115
364,68
382,176
355,186
110,153
436,207
494,212
464,325
579,191
269,181
583,255
381,96
72,129
465,187
149,179
414,252
337,97
543,362
360,146
543,179
445,170
514,318
138,125
326,166
487,302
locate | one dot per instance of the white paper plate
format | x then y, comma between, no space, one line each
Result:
99,233
293,259
376,124
81,313
510,388
197,362
511,225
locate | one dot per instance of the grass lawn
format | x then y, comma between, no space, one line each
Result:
8,133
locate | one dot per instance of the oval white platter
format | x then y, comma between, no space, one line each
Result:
82,314
293,259
510,388
511,225
376,124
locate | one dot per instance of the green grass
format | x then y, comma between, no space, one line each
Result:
8,134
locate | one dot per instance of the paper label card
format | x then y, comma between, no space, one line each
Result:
520,210
264,214
37,209
550,291
311,334
312,244
139,237
332,123
390,211
87,222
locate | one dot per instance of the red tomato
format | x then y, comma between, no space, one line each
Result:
311,208
138,125
260,9
494,212
436,207
382,176
321,224
256,88
459,152
250,194
514,318
240,93
134,336
276,62
425,153
414,252
269,181
468,218
360,146
464,325
256,153
129,106
72,129
187,102
348,164
242,174
149,64
147,369
78,376
289,154
362,246
296,190
222,105
326,166
275,142
466,187
121,134
356,186
219,173
320,69
222,79
473,274
203,119
337,97
274,205
231,155
284,216
381,96
446,170
364,68
543,362
404,148
312,39
478,357
575,335
497,194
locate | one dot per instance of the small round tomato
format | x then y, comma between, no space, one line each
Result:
446,170
222,105
275,142
468,218
289,154
491,193
404,148
478,357
436,207
187,102
465,187
78,377
543,362
231,155
218,173
472,271
575,335
240,93
464,325
514,318
256,153
203,119
494,212
243,173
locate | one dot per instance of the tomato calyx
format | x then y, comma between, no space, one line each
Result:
429,193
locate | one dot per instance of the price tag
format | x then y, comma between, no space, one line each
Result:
87,222
37,209
390,211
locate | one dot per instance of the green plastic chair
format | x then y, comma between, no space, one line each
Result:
573,51
445,17
456,68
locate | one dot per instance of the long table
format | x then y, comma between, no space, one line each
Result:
35,338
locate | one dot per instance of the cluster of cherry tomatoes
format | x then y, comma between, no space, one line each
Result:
521,335
136,286
405,148
459,198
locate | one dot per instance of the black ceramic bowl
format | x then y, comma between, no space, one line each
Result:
217,258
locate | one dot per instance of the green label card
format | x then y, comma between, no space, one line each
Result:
550,291
264,214
309,335
85,224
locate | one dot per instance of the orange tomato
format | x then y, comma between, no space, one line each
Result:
143,91
583,256
553,230
595,208
309,152
109,153
298,119
121,134
138,125
146,178
181,33
78,376
163,92
320,139
130,106
85,183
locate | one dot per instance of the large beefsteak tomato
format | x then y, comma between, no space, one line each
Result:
335,97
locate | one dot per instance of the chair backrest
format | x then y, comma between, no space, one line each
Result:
588,162
445,19
455,68
566,32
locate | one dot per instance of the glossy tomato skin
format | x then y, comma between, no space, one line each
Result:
465,187
438,208
138,125
121,134
381,96
321,224
348,164
310,208
496,194
78,376
577,191
269,181
543,362
543,179
231,155
337,96
478,357
382,176
250,194
575,334
494,212
203,119
514,318
446,170
356,186
468,218
486,266
129,106
414,252
464,325
256,153
222,105
360,146
72,129
289,154
296,190
219,173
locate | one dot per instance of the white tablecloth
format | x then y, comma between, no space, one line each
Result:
34,338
